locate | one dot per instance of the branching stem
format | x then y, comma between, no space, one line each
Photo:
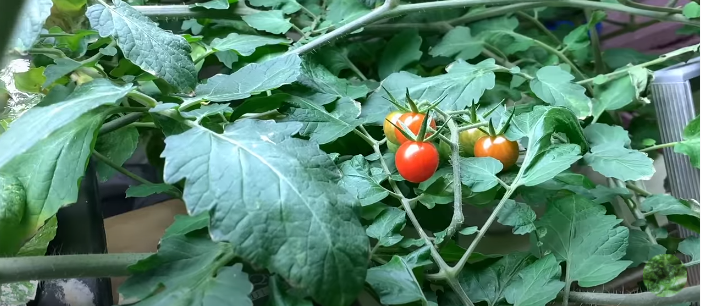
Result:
16,269
659,146
119,168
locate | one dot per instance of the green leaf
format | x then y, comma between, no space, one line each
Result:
690,247
204,111
664,275
603,194
212,4
463,85
244,44
579,37
499,32
32,126
190,270
555,159
29,23
343,11
489,284
537,284
359,179
619,57
269,21
227,58
386,227
252,79
544,160
185,224
31,80
554,86
691,142
317,77
402,50
666,205
640,249
335,59
611,156
117,146
145,190
160,53
281,297
293,206
479,173
395,283
691,10
458,42
468,230
518,215
622,91
61,67
578,231
192,25
522,123
320,125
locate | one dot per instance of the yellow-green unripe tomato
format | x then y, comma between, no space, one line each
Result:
468,138
389,129
392,146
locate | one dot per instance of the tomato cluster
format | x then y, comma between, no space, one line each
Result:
416,160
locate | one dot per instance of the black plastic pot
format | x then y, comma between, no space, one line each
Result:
80,231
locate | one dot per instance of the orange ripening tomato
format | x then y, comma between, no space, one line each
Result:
498,147
413,122
416,161
388,128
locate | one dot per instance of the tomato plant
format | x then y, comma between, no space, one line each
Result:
271,122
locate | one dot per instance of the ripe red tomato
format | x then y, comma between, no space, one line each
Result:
467,140
416,161
388,128
413,122
498,147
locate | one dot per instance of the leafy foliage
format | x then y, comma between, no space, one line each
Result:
275,148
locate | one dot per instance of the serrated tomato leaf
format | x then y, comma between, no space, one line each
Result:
691,142
251,79
578,231
156,51
554,86
358,179
272,195
320,125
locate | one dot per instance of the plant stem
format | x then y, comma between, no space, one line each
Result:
151,125
368,18
119,168
483,230
308,12
119,122
691,263
457,220
96,57
595,46
664,9
633,206
540,26
472,126
143,98
185,11
559,54
49,51
17,269
568,285
638,190
355,69
618,73
659,146
686,295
